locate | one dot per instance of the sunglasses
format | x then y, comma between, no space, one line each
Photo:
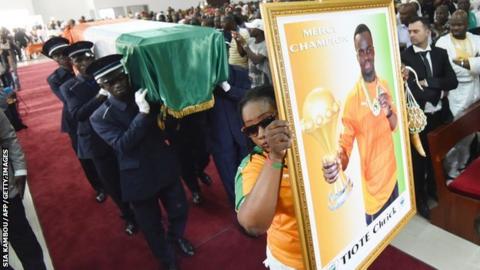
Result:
253,129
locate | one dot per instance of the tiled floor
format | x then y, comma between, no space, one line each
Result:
419,238
437,247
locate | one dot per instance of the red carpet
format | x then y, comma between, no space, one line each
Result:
82,234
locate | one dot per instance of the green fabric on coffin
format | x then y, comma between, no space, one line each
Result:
179,65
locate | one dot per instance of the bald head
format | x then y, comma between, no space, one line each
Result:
459,24
460,15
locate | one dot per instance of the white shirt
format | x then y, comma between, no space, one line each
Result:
429,108
403,35
256,71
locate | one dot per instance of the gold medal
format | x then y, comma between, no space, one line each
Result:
374,104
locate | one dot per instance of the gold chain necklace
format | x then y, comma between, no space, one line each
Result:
375,104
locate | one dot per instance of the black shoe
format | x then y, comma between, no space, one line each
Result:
423,210
433,195
185,246
130,228
196,198
20,127
101,196
205,178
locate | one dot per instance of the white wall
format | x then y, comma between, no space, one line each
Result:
63,9
18,13
153,5
73,9
7,5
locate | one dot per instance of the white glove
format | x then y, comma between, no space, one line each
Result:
225,86
103,92
142,103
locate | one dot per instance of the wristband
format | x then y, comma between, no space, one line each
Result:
276,165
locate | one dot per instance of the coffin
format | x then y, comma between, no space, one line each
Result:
178,64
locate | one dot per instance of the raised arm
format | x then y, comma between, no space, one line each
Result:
256,212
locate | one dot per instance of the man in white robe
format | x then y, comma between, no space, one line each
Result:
464,52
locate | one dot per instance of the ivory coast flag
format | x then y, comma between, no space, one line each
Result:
178,64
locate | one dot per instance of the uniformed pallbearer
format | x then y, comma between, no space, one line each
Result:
54,48
83,97
149,167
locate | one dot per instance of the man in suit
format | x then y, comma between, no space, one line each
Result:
149,166
227,143
436,76
83,97
54,48
21,236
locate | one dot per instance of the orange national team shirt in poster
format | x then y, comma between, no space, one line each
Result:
375,144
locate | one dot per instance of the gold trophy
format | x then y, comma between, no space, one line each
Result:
320,120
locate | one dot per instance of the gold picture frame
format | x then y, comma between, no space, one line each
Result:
281,20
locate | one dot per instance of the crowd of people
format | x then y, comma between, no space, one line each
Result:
126,156
443,47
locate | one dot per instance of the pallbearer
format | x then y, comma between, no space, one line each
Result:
64,76
83,97
149,168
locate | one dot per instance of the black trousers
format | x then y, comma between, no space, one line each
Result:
14,117
227,159
422,166
87,166
149,218
107,168
7,79
22,238
192,149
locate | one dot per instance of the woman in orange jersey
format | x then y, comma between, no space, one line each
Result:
263,196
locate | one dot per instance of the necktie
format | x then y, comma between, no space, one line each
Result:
428,70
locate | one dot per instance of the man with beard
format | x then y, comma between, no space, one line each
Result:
149,167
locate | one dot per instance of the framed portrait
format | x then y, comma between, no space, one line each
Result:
336,73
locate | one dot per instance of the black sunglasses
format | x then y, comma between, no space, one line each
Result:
253,129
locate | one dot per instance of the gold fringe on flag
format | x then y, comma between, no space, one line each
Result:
162,116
